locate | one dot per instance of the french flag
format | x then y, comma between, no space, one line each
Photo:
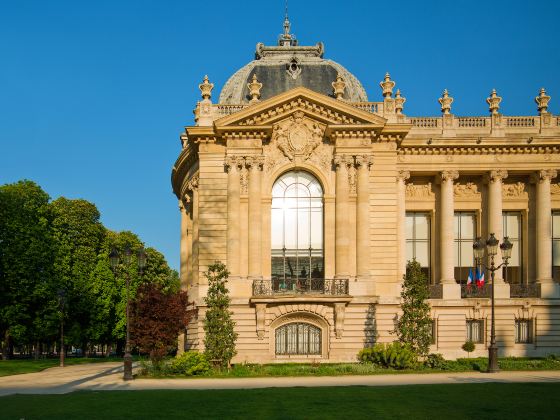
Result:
470,279
479,278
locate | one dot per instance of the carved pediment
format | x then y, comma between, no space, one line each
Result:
319,107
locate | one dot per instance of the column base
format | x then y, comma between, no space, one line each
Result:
449,290
549,290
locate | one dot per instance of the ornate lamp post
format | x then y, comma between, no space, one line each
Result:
61,302
127,257
492,250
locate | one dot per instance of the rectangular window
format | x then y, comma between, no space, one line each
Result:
433,332
512,228
523,331
475,330
556,245
417,231
464,234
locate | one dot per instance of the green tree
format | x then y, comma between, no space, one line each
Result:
78,236
415,324
27,296
219,327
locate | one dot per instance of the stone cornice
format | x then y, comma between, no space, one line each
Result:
482,150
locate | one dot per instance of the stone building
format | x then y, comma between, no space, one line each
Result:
315,198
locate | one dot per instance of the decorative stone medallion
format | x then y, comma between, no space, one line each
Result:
297,136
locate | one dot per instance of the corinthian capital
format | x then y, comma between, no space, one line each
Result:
342,161
254,162
232,162
364,161
497,175
403,175
449,175
544,175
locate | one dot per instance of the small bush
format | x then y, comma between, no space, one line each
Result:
394,355
469,346
190,363
436,361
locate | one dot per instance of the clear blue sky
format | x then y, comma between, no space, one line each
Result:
94,94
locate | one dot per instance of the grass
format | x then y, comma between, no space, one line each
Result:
17,366
338,369
459,401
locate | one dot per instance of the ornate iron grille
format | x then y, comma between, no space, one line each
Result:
521,290
293,286
474,291
298,338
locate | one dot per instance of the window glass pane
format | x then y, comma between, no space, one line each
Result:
290,228
409,250
515,254
467,255
556,225
556,253
422,254
456,222
277,228
422,226
456,253
512,222
409,226
317,229
304,229
467,226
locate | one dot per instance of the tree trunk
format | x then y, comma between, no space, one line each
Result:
6,346
36,353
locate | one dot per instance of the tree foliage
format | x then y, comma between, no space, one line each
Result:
219,326
414,327
156,319
61,246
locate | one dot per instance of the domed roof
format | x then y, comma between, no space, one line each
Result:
286,66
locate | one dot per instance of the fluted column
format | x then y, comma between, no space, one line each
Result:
254,164
402,176
363,255
544,215
495,217
446,245
342,240
232,166
184,256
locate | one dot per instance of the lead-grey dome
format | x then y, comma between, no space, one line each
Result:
287,66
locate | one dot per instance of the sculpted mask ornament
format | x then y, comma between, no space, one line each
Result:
297,136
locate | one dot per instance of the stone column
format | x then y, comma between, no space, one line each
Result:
342,241
450,288
193,186
233,216
184,256
363,254
402,176
544,238
495,217
254,164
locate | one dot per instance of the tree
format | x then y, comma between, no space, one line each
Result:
157,317
218,324
414,327
28,300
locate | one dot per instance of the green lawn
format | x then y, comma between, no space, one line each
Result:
14,367
461,401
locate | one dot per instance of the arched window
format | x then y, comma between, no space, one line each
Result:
298,338
297,232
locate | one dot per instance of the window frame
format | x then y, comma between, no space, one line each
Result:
518,241
312,330
555,214
457,241
414,240
481,330
529,336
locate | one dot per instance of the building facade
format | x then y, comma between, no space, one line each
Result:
315,198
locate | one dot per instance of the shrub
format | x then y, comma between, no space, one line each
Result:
190,363
436,361
469,346
394,355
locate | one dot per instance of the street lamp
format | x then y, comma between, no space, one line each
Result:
127,258
61,302
492,250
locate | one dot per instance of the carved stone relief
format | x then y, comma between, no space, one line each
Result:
419,191
468,190
516,190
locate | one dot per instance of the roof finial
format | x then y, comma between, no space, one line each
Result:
287,39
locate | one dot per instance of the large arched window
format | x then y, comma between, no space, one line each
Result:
298,338
297,231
